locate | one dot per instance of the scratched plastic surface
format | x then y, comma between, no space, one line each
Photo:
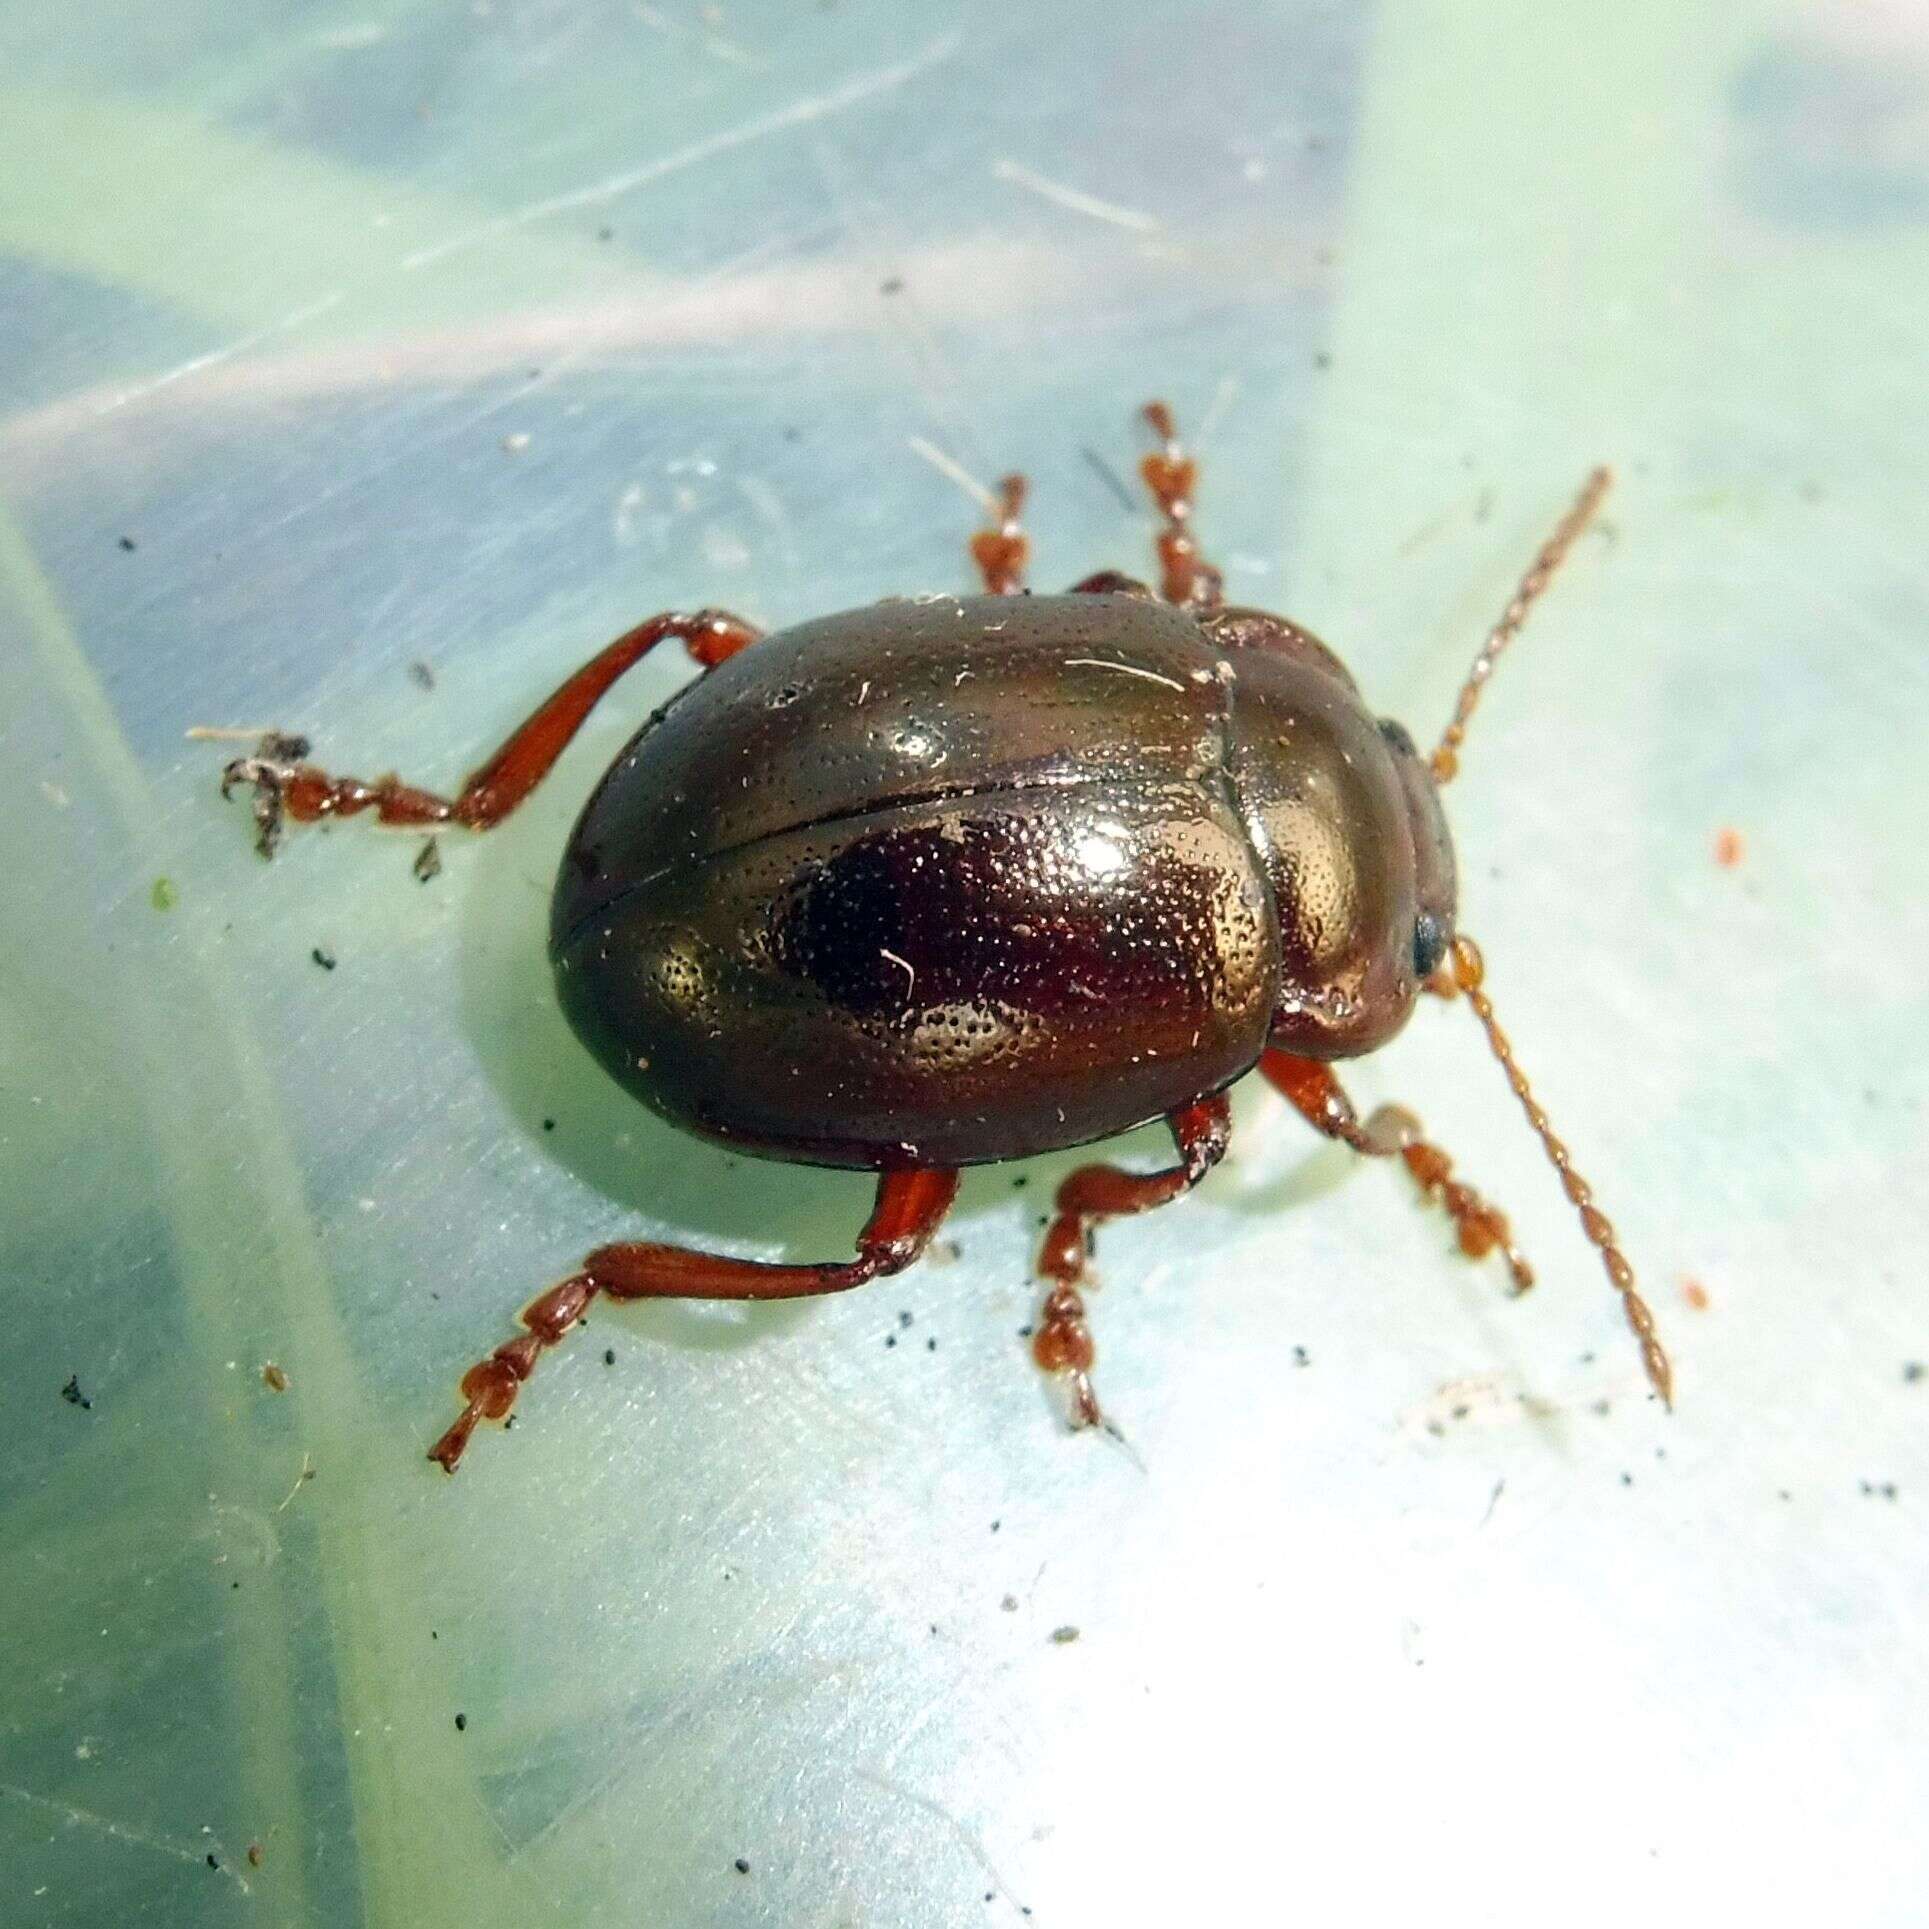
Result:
341,339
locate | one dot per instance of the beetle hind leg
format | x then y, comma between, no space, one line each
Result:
910,1207
1062,1343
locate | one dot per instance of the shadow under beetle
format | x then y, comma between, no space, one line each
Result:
950,880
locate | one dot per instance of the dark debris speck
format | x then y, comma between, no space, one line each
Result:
1301,1357
72,1394
1912,1371
609,1356
741,1865
421,674
428,861
461,1723
930,1346
129,544
549,1125
904,1320
326,959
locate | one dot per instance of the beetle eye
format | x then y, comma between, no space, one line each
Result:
1429,943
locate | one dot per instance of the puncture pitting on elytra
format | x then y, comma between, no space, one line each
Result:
946,881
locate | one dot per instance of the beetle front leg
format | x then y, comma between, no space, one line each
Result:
1063,1341
910,1207
285,787
1389,1131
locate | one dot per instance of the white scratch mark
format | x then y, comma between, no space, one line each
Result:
215,356
801,113
225,733
1079,202
954,472
1222,400
84,1817
623,523
904,965
306,1474
770,506
711,43
341,40
939,1812
1124,669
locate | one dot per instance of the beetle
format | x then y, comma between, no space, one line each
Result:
951,880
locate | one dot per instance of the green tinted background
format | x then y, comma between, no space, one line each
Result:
337,339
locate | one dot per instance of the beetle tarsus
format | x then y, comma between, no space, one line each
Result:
1391,1131
274,762
1063,1342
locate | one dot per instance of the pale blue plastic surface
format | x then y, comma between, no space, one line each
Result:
338,338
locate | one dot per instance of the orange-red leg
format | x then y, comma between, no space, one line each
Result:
1063,1341
1186,577
1391,1130
910,1207
286,787
1001,550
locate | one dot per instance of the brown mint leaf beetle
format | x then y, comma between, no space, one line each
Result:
948,881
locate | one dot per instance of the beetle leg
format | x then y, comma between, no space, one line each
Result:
1000,551
1063,1341
910,1207
286,787
1187,578
1321,1100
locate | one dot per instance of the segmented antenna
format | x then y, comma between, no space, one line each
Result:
1446,759
1469,971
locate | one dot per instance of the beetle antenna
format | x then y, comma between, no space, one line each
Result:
1446,759
1469,971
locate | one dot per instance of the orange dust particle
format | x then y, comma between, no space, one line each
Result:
1696,1294
1728,847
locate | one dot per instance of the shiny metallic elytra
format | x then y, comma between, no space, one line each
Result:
951,880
